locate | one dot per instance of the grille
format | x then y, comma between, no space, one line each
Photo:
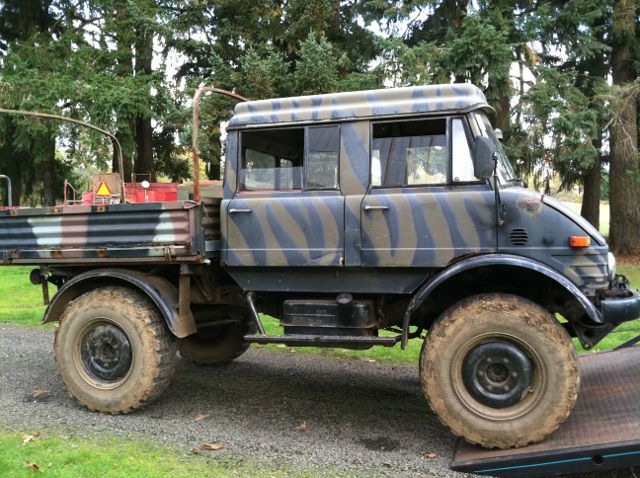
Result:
519,237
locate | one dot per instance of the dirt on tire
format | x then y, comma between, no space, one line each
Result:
540,411
154,352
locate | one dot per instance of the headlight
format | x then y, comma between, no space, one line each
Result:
611,265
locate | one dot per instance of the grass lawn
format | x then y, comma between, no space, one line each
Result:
20,301
62,457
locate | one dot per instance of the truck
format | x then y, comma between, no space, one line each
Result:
356,219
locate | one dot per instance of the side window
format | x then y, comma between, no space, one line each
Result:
462,163
279,159
321,168
409,153
272,160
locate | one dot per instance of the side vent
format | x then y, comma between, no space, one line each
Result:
518,237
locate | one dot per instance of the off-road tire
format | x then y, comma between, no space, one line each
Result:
512,319
220,350
153,350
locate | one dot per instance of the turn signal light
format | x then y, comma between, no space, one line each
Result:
579,241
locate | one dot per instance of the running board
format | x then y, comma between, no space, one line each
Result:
315,340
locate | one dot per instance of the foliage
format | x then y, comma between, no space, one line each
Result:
132,67
555,105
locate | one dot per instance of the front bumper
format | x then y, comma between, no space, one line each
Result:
622,309
620,303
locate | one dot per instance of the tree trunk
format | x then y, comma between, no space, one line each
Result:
624,195
144,132
49,173
591,197
124,68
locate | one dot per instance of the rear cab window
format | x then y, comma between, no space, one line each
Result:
290,159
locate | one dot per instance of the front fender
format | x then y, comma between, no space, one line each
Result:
496,260
158,289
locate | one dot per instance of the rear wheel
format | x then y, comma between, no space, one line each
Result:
499,370
113,350
215,345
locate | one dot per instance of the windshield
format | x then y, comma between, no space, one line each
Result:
483,125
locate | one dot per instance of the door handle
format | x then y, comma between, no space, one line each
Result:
235,211
369,207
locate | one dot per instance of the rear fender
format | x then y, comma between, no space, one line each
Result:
158,289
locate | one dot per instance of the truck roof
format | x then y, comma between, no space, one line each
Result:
355,105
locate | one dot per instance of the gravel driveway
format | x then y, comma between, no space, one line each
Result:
366,419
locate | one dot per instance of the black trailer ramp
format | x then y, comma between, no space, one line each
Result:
602,432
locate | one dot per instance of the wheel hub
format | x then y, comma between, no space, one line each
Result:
106,352
497,374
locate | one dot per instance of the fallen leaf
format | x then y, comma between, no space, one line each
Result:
213,446
201,417
429,455
39,393
302,427
29,438
33,467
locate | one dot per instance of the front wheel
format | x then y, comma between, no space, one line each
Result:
113,350
499,370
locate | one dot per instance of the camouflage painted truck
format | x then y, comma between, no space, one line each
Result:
343,216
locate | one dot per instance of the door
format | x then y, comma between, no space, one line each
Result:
287,209
424,207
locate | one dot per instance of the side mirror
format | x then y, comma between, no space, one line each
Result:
483,158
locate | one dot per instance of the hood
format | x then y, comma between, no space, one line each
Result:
577,218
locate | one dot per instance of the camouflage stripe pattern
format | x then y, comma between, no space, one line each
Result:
537,227
150,232
286,230
360,104
361,226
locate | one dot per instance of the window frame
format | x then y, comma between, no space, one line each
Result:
305,150
449,141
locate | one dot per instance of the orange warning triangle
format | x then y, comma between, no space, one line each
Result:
103,189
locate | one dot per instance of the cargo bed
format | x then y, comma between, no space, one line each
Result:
168,232
602,432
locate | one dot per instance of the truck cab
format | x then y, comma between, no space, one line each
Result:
350,213
375,192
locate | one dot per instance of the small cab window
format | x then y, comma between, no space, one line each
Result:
462,163
290,159
409,153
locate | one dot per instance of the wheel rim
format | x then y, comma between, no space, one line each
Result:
497,374
104,353
479,375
